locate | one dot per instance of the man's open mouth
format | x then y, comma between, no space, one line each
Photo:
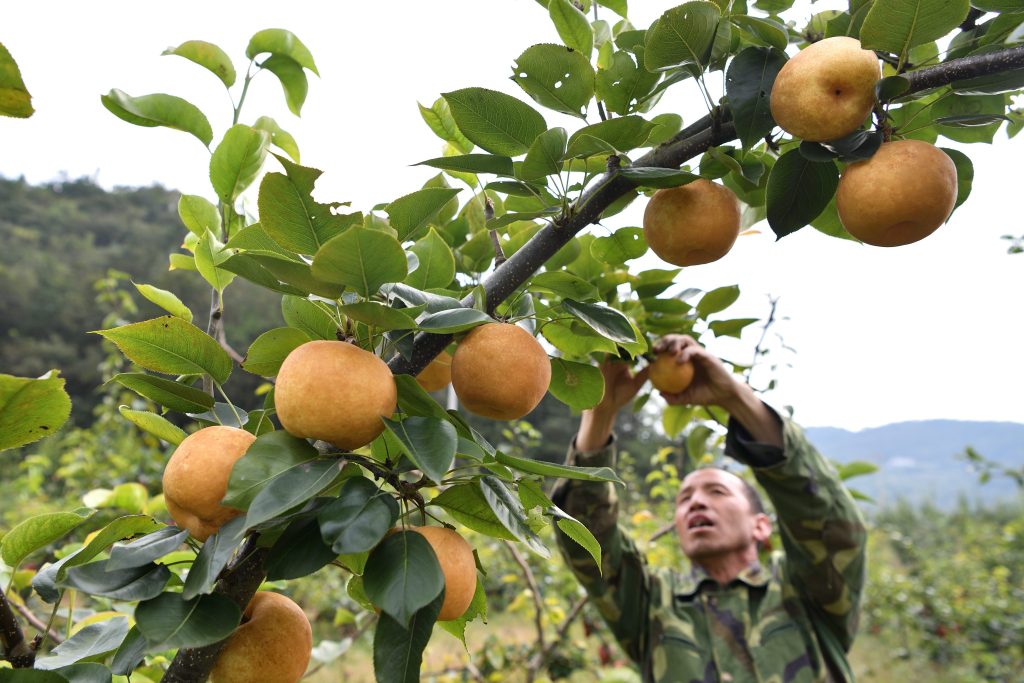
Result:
699,521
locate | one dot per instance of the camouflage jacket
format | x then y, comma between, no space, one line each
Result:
790,622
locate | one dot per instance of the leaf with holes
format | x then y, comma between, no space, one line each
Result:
556,77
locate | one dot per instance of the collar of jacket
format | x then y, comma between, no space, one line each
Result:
687,585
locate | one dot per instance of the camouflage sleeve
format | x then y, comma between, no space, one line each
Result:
621,590
822,530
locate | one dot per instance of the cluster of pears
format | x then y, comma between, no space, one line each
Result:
900,195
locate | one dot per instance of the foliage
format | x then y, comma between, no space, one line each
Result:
433,262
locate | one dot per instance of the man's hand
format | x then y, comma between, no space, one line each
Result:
621,384
713,384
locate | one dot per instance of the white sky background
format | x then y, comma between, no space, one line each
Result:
930,330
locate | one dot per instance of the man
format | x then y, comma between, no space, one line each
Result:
728,618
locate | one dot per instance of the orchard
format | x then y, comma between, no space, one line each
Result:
487,278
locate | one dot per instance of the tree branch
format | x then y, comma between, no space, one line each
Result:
243,576
37,623
538,603
965,67
541,658
16,649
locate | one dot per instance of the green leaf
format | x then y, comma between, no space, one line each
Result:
414,400
269,350
453,320
292,487
477,608
213,557
564,284
131,584
292,78
291,217
439,118
298,552
717,300
497,122
964,174
412,213
280,138
169,621
682,36
767,32
37,532
856,468
575,530
544,157
970,118
572,26
891,87
168,393
472,163
510,513
237,161
159,110
578,385
209,254
897,25
798,191
15,99
556,77
415,298
270,456
315,318
429,442
603,319
31,408
402,575
437,263
549,469
730,328
171,346
609,137
749,82
621,246
120,529
147,549
358,519
154,424
208,56
165,300
91,641
129,654
199,215
280,42
468,506
382,316
361,259
625,84
657,177
398,644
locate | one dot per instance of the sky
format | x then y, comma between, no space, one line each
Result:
929,330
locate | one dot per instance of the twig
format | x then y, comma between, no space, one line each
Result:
538,603
499,253
668,528
37,623
764,332
541,658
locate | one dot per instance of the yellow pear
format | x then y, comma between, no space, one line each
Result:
196,478
900,195
692,224
500,371
336,392
271,645
438,374
455,556
827,90
669,376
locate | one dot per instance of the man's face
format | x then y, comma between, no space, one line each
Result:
714,518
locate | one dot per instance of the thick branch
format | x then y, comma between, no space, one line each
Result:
966,67
239,583
16,649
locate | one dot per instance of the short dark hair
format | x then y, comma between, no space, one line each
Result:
753,497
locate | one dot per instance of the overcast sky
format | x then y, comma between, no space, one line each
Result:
930,330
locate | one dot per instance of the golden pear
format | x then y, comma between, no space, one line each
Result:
500,371
271,645
900,195
438,374
827,90
336,392
196,478
669,376
692,224
455,556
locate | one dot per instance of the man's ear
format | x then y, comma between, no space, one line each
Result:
762,529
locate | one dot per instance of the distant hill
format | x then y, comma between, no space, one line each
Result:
918,460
